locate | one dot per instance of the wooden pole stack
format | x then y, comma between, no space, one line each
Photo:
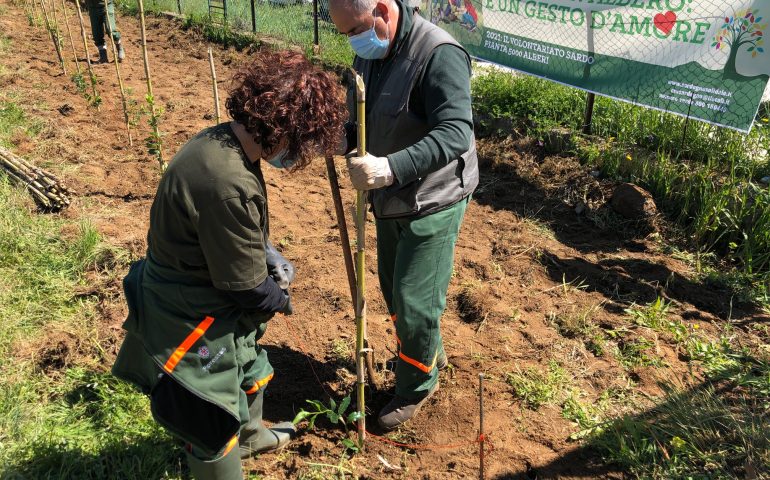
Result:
46,189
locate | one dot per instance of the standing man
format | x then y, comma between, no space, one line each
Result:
103,21
420,170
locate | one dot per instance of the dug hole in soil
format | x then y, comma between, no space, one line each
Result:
520,242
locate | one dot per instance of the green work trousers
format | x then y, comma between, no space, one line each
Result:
98,21
415,257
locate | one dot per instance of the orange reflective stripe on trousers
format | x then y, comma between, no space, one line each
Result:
259,384
188,342
411,361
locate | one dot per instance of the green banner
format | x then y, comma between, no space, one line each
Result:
701,59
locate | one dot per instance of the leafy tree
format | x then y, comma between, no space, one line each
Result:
738,31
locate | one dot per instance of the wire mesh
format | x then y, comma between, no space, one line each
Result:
703,60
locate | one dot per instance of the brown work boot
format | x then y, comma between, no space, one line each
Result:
399,410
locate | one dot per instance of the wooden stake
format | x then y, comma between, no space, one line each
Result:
150,97
120,78
361,266
59,42
92,77
342,226
69,32
214,84
481,426
49,27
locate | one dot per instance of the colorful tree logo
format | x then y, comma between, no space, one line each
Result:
738,31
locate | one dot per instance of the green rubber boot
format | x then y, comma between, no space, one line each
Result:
226,467
256,437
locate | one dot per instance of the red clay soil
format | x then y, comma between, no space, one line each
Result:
518,246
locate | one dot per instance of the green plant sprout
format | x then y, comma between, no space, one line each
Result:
154,140
336,416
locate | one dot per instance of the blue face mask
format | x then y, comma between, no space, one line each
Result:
277,160
368,45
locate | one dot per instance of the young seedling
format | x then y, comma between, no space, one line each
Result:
54,36
59,36
66,20
94,99
120,77
336,414
154,141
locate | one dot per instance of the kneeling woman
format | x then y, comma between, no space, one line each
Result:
211,280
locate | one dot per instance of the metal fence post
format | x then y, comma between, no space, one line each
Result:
253,16
179,6
589,113
315,24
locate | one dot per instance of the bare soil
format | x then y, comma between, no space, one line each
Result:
524,256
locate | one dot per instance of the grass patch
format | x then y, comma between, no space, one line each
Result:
706,178
579,325
287,24
637,352
59,420
14,121
705,433
88,425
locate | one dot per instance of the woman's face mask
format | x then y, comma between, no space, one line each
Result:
277,160
368,45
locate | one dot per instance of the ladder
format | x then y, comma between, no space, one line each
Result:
218,12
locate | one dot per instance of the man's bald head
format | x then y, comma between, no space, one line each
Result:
356,6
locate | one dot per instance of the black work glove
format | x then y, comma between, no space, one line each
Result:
278,266
287,309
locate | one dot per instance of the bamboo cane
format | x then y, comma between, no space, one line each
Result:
120,77
360,266
49,27
69,32
150,97
59,42
214,83
92,77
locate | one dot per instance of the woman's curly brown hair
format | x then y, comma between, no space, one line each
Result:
281,95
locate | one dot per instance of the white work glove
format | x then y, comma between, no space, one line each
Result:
369,172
